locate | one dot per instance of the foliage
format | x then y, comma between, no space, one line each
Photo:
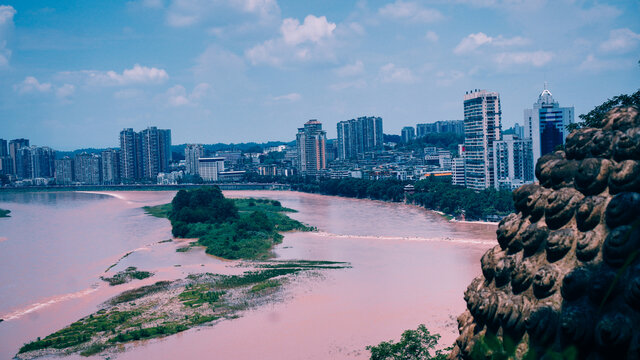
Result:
439,194
414,344
447,140
228,228
491,347
594,117
134,294
4,213
127,275
198,294
265,285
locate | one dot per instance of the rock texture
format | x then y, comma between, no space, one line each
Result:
565,275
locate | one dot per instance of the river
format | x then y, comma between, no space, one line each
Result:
409,266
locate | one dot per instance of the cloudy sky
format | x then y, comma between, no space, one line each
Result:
74,73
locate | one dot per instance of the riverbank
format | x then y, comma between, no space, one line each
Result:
169,307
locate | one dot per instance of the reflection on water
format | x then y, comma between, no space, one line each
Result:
409,266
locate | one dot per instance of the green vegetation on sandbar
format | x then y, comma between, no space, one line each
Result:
166,308
127,275
4,213
228,228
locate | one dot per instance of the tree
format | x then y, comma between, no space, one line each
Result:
594,117
413,345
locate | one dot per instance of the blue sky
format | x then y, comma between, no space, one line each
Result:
74,73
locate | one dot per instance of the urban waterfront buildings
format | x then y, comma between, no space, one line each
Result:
145,154
34,162
513,162
443,126
482,126
210,168
110,166
357,137
87,168
408,134
311,142
6,162
192,152
546,124
64,171
14,146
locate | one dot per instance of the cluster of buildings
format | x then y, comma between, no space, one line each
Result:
491,158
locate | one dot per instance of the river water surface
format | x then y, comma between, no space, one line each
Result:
409,266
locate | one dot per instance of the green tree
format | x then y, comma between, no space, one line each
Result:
413,345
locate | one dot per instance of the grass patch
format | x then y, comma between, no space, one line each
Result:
127,275
269,284
4,213
253,277
159,211
134,294
195,295
165,241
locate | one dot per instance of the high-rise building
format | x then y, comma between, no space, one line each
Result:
64,171
546,124
210,168
144,154
311,142
14,146
359,136
87,168
408,134
35,162
6,163
457,171
110,166
129,150
192,152
513,162
482,126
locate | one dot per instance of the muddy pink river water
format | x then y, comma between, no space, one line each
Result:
409,266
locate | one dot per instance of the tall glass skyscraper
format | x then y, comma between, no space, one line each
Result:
311,142
546,124
359,136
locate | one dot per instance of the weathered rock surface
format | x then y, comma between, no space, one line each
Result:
564,277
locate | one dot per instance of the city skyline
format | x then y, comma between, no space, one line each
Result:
73,74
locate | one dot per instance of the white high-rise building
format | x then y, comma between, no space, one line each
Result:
546,124
192,152
513,161
482,126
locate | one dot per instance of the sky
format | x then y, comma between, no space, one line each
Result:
74,73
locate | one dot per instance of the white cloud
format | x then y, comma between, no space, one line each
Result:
313,29
6,23
390,73
356,68
411,11
431,36
593,64
535,58
474,41
31,85
292,97
178,96
136,75
620,40
356,84
127,94
6,14
182,13
446,78
65,91
298,42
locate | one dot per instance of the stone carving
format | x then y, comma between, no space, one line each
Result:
565,273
